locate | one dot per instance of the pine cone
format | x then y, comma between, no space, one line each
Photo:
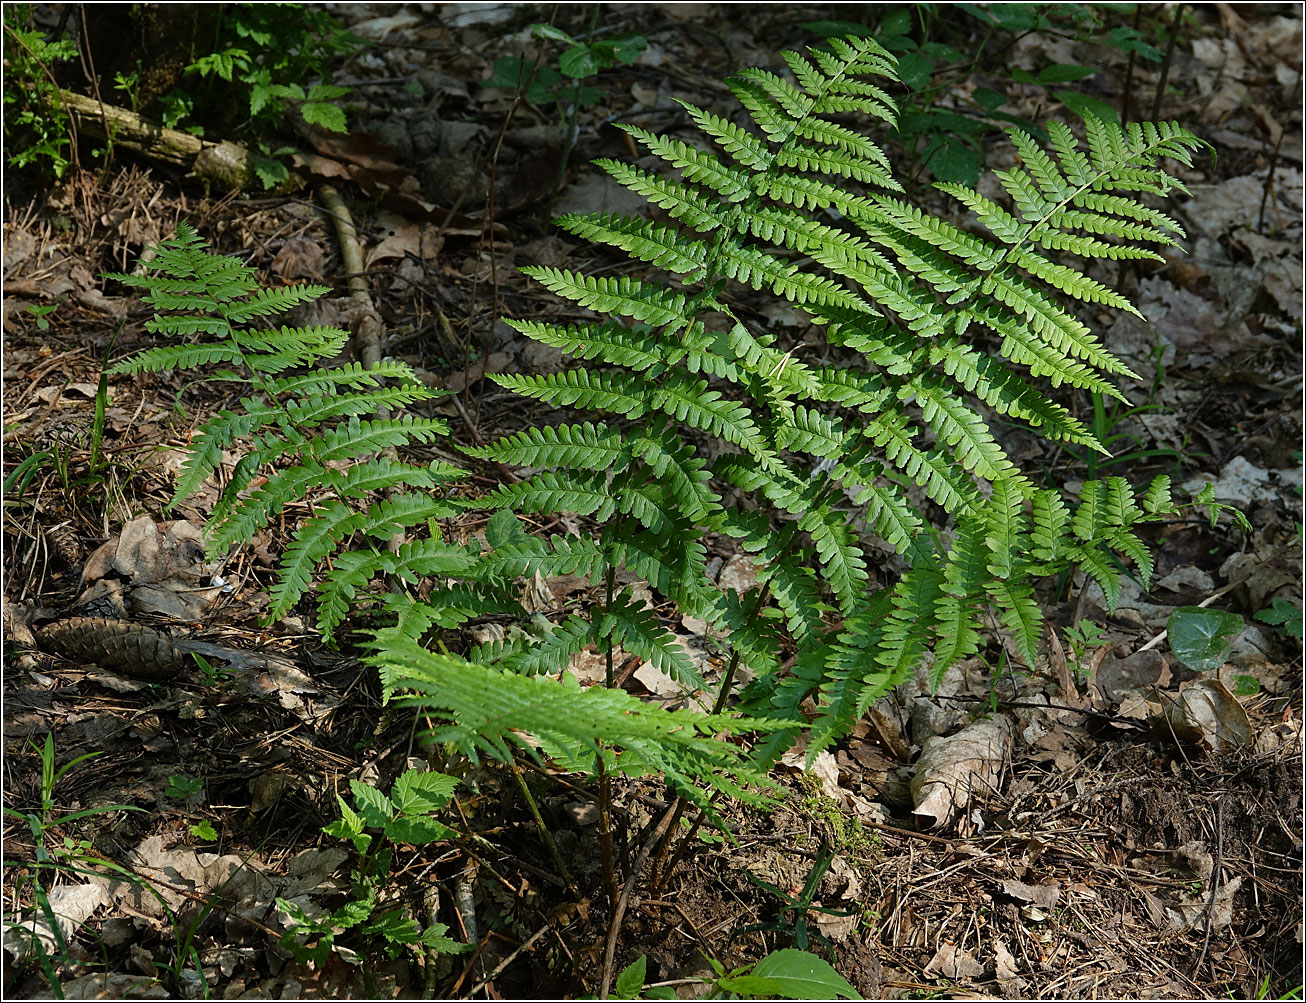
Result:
129,648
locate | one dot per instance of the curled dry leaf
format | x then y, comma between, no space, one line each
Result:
953,964
1207,715
953,769
163,565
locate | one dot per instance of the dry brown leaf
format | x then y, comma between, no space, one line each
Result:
954,769
953,964
1043,896
1206,714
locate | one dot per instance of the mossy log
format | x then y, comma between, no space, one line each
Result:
224,167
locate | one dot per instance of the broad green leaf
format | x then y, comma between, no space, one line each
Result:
1283,614
800,975
374,806
1199,637
631,979
421,793
417,830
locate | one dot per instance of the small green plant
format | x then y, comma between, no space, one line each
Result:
269,54
566,87
183,788
406,815
1082,638
1263,992
41,312
42,822
1284,616
787,974
72,858
936,50
793,919
36,126
55,854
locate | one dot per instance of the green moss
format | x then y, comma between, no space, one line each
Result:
846,835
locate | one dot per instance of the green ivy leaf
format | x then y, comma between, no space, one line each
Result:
1198,637
434,936
897,23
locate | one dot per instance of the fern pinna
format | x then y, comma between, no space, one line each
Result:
304,432
802,204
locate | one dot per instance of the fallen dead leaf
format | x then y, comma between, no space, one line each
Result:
1206,714
1043,896
954,769
953,964
71,906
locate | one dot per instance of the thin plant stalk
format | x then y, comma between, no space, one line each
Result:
545,834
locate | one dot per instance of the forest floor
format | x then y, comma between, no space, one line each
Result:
1106,861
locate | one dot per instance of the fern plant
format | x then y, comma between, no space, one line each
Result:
308,434
303,441
718,429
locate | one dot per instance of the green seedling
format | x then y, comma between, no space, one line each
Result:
405,816
1082,638
1284,616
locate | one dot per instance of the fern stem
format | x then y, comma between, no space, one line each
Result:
605,829
610,587
614,927
655,879
545,834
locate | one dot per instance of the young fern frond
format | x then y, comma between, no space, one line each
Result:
488,711
299,428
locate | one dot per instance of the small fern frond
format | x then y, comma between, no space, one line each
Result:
663,246
645,302
584,492
489,710
1021,616
314,540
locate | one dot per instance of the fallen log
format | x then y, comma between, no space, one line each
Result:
224,166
